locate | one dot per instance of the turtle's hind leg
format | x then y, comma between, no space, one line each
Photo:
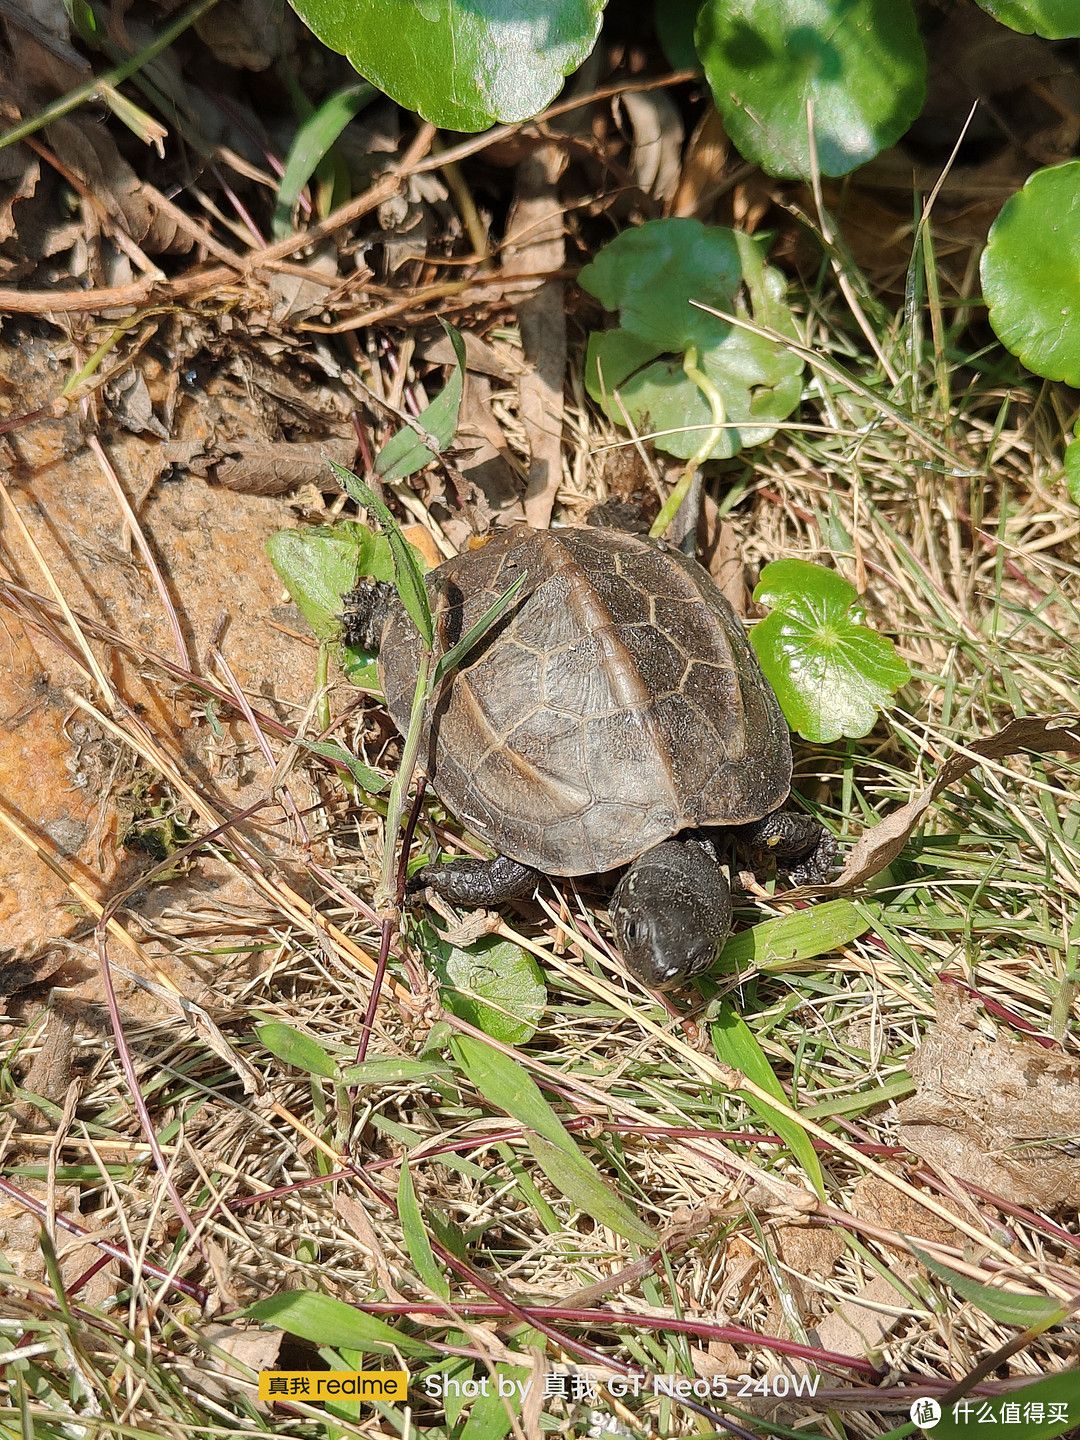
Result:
479,882
799,845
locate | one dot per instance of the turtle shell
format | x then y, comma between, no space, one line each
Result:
615,703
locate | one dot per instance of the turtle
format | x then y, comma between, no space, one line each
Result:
613,718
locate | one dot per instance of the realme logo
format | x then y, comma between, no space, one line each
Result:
317,1386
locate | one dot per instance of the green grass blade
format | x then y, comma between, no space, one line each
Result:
405,453
791,938
737,1045
503,1083
457,653
296,1049
370,782
408,576
416,1236
1032,1312
313,140
326,1321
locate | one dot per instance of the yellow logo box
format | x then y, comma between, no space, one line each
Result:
315,1387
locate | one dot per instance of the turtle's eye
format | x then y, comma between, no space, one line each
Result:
636,931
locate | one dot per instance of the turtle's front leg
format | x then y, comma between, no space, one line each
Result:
799,845
479,882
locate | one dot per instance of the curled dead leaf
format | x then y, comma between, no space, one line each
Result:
880,845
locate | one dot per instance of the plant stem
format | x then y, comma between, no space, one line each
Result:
384,894
716,405
322,670
116,76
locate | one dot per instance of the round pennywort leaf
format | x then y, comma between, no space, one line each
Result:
830,672
1053,19
653,276
1031,273
857,65
463,64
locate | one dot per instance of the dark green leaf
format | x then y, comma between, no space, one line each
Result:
675,21
503,1083
326,1321
368,780
462,66
1030,275
653,275
1037,1312
830,673
457,653
296,1049
408,573
405,453
571,1173
416,1237
737,1045
1052,19
494,984
314,138
319,565
859,64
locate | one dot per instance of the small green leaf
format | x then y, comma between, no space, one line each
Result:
408,570
775,944
657,276
858,65
1030,1312
392,1071
830,673
571,1173
462,66
360,668
1072,471
296,1049
405,453
489,1418
1030,275
319,565
312,141
416,1237
368,780
475,633
503,1083
326,1321
737,1045
493,984
1052,19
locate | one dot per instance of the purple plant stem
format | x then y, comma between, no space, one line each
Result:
114,1252
534,1319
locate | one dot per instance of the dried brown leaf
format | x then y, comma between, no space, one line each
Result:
996,1110
881,845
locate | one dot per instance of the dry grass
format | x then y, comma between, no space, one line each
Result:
956,526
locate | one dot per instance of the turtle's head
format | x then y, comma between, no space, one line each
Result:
671,912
